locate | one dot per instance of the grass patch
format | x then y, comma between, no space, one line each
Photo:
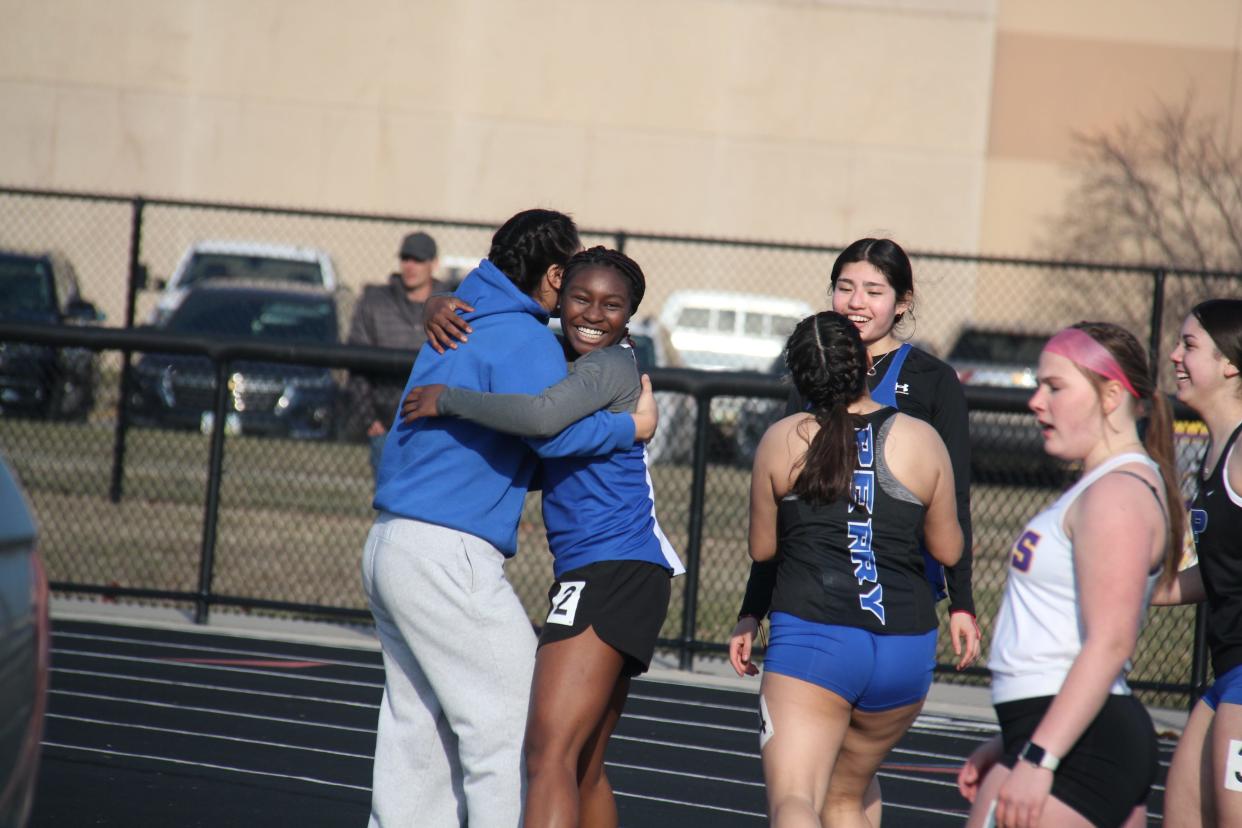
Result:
294,515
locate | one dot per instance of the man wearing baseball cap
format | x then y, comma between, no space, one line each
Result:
391,316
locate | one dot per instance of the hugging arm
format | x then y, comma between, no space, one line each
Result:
543,415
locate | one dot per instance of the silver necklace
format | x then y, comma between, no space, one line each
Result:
876,364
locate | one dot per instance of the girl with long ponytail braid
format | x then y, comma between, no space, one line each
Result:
838,496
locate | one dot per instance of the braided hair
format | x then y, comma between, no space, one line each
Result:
828,363
529,243
1153,406
600,256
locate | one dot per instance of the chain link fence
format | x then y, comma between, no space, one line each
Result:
207,509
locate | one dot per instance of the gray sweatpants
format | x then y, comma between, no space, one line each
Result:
459,652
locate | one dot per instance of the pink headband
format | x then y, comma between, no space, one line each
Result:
1083,350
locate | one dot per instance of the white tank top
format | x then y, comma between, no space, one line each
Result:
1039,629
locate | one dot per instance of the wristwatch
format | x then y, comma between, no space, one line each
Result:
1038,757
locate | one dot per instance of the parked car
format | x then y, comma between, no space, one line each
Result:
23,652
1001,359
1004,446
207,261
264,398
717,330
41,380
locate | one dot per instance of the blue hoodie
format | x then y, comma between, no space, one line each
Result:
454,473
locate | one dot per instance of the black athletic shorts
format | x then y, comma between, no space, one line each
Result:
625,601
1108,772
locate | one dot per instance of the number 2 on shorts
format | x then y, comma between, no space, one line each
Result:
565,602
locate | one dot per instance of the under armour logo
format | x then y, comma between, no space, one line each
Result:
902,388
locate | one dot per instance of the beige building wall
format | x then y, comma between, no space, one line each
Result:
946,124
1066,68
771,119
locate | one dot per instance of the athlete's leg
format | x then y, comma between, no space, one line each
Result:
1189,784
873,803
573,687
807,725
596,806
1226,739
1056,814
867,741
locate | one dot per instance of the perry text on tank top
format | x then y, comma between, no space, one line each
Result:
856,561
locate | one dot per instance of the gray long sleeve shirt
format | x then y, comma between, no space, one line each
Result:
606,378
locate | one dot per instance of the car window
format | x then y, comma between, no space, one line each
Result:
25,285
990,346
783,326
286,319
698,318
726,321
752,324
212,266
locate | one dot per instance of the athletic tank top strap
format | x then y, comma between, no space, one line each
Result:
1220,461
885,391
1163,509
1108,466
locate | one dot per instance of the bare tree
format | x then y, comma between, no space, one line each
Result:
1164,190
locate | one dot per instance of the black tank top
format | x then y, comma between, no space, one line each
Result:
1216,521
856,564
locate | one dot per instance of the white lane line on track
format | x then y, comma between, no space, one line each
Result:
748,754
204,649
754,709
924,810
215,688
221,668
907,778
178,732
669,772
700,805
184,762
210,710
683,723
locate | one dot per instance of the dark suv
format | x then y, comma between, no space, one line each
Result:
264,398
41,380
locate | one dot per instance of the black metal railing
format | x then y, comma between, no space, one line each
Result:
685,631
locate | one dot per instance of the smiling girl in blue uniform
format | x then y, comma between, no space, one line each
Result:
611,560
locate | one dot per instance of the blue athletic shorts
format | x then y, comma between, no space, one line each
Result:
871,672
1227,689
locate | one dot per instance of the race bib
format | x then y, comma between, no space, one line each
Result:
1233,766
565,602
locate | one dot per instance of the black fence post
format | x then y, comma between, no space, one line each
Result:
215,472
116,487
694,540
1157,321
622,237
